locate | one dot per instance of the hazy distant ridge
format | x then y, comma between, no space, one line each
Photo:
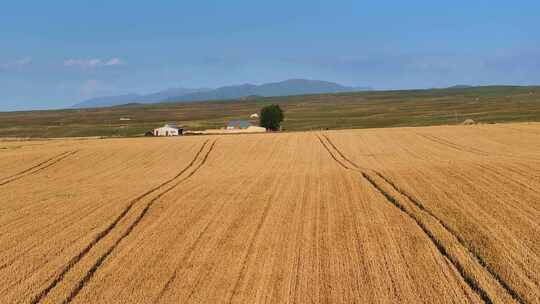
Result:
283,88
107,101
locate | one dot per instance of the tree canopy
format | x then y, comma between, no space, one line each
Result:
271,117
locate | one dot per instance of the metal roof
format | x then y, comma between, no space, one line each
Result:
240,124
171,125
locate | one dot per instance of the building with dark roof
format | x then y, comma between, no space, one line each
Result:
238,124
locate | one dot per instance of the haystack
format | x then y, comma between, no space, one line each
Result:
468,122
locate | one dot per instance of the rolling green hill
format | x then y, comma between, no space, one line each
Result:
494,104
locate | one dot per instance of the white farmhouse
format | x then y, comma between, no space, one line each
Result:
168,130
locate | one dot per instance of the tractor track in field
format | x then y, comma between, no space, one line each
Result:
188,254
37,168
468,149
453,145
506,177
20,255
192,247
339,152
82,283
249,251
469,280
332,154
520,130
166,287
185,257
440,247
535,178
102,234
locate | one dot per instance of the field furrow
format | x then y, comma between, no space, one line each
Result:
37,168
175,181
517,204
487,285
405,215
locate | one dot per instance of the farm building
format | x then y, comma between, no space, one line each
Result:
168,130
238,125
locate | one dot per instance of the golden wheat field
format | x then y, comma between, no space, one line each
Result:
407,215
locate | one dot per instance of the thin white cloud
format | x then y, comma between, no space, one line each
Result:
114,61
82,63
92,63
16,64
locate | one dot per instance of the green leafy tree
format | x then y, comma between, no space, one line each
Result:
271,117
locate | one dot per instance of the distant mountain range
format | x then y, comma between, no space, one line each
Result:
461,86
283,88
107,101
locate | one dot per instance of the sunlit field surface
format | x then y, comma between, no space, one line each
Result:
444,214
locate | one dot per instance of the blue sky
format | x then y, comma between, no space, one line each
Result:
56,53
